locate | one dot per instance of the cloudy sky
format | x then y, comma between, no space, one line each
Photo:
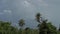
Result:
13,10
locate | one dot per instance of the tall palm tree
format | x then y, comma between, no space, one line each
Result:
38,16
42,25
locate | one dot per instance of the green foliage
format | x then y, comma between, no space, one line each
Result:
47,28
52,28
43,27
6,28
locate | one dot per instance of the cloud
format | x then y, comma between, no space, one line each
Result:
38,2
7,11
26,3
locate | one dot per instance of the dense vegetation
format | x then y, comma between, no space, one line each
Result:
44,27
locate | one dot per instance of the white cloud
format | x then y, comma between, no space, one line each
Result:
26,3
7,11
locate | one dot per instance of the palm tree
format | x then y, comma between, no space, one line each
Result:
21,23
41,26
38,16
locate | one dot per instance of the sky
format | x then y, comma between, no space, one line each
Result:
14,10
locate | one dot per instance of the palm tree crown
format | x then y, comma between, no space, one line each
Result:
21,22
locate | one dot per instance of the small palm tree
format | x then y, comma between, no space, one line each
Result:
21,23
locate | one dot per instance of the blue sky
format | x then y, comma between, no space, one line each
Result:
13,10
